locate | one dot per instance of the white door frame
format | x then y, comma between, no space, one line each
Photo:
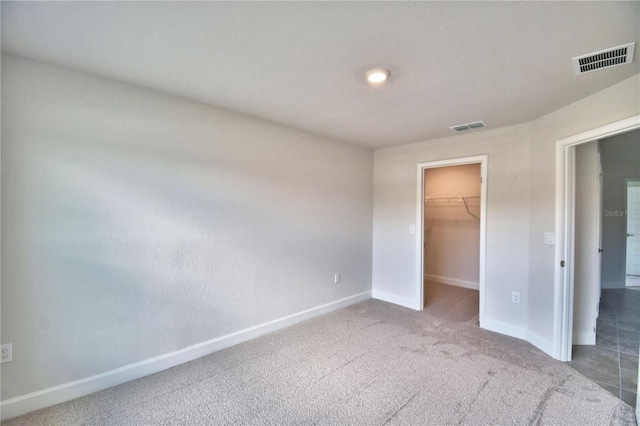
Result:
482,160
565,242
627,209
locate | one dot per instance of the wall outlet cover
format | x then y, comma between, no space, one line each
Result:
6,352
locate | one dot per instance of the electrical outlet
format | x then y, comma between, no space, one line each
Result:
515,297
7,352
336,278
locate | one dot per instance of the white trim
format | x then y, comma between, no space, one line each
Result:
396,300
638,400
584,338
626,224
563,277
483,160
47,397
544,345
504,328
452,281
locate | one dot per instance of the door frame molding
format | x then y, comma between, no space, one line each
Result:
565,227
483,161
626,208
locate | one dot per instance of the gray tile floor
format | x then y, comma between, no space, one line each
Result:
613,361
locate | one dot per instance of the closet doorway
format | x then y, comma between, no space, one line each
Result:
452,229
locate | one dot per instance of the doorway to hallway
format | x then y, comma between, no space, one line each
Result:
612,360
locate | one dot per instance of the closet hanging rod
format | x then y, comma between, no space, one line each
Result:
453,198
464,199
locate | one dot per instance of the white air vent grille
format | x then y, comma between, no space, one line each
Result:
468,126
604,59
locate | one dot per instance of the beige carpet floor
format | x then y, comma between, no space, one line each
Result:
370,364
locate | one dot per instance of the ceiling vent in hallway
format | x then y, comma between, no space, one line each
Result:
604,59
468,126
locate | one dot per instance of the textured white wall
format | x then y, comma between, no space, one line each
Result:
135,223
608,106
452,236
620,161
520,208
395,188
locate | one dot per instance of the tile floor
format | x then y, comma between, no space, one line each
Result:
613,361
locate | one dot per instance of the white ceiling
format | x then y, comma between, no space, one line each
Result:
302,64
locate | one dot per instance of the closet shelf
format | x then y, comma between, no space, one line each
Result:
453,198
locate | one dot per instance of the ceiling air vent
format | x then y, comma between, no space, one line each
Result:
604,59
468,126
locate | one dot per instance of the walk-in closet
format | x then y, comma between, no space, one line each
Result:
452,200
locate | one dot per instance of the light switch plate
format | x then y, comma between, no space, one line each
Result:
549,238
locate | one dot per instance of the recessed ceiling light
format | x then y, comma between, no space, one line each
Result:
377,75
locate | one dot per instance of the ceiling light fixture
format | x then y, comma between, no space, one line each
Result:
377,75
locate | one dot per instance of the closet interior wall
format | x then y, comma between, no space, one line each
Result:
452,225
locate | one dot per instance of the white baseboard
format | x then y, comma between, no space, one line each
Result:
396,300
452,281
504,328
584,338
543,344
45,398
